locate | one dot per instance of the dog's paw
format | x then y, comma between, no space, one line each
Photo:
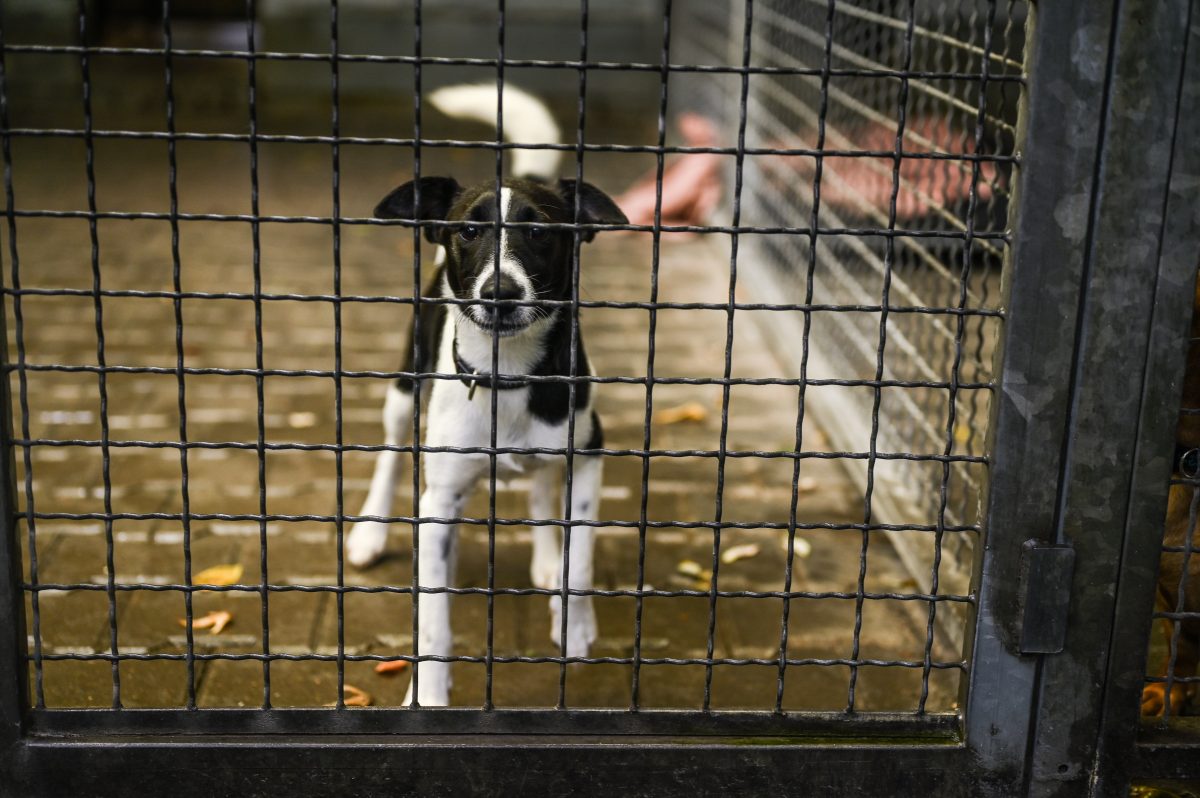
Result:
1154,698
434,685
365,544
545,572
581,624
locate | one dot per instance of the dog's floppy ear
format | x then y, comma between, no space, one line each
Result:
595,207
437,196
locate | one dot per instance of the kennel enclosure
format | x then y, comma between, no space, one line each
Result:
968,227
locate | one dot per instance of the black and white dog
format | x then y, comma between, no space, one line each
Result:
535,263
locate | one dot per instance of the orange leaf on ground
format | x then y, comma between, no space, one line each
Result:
227,574
216,620
354,697
392,666
691,411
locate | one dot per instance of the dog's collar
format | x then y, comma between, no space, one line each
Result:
473,378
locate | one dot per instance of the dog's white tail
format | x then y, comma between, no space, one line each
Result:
527,120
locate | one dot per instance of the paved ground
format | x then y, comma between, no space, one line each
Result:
216,256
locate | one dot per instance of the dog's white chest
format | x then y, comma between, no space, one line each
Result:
515,429
456,419
460,417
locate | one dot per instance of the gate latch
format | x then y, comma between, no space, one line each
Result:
1046,570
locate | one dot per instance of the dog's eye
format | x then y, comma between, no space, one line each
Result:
535,233
469,233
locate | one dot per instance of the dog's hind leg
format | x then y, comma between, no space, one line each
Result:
367,539
448,476
585,505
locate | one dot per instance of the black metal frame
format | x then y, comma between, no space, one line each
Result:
1075,463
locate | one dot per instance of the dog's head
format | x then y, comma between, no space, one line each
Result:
535,262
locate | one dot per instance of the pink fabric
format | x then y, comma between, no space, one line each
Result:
691,183
867,181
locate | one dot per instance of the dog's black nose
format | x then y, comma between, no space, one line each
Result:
509,289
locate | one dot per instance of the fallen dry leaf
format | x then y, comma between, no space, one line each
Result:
742,552
800,546
227,574
392,666
216,620
301,420
702,583
354,697
698,577
689,411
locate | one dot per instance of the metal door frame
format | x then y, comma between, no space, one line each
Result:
1129,749
1137,235
1087,391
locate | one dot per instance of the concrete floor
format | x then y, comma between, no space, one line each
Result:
376,261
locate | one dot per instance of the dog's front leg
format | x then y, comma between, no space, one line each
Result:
545,567
449,477
585,505
367,539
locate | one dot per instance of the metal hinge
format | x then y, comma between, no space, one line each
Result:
1046,571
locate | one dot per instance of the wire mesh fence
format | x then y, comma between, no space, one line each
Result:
916,171
203,310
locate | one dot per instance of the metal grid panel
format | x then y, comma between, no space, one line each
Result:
1049,731
813,96
904,124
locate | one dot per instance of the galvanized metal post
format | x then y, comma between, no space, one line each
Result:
14,682
1117,230
1066,50
1178,256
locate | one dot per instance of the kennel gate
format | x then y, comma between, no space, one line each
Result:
1101,253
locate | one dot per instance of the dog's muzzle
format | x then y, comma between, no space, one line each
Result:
504,319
